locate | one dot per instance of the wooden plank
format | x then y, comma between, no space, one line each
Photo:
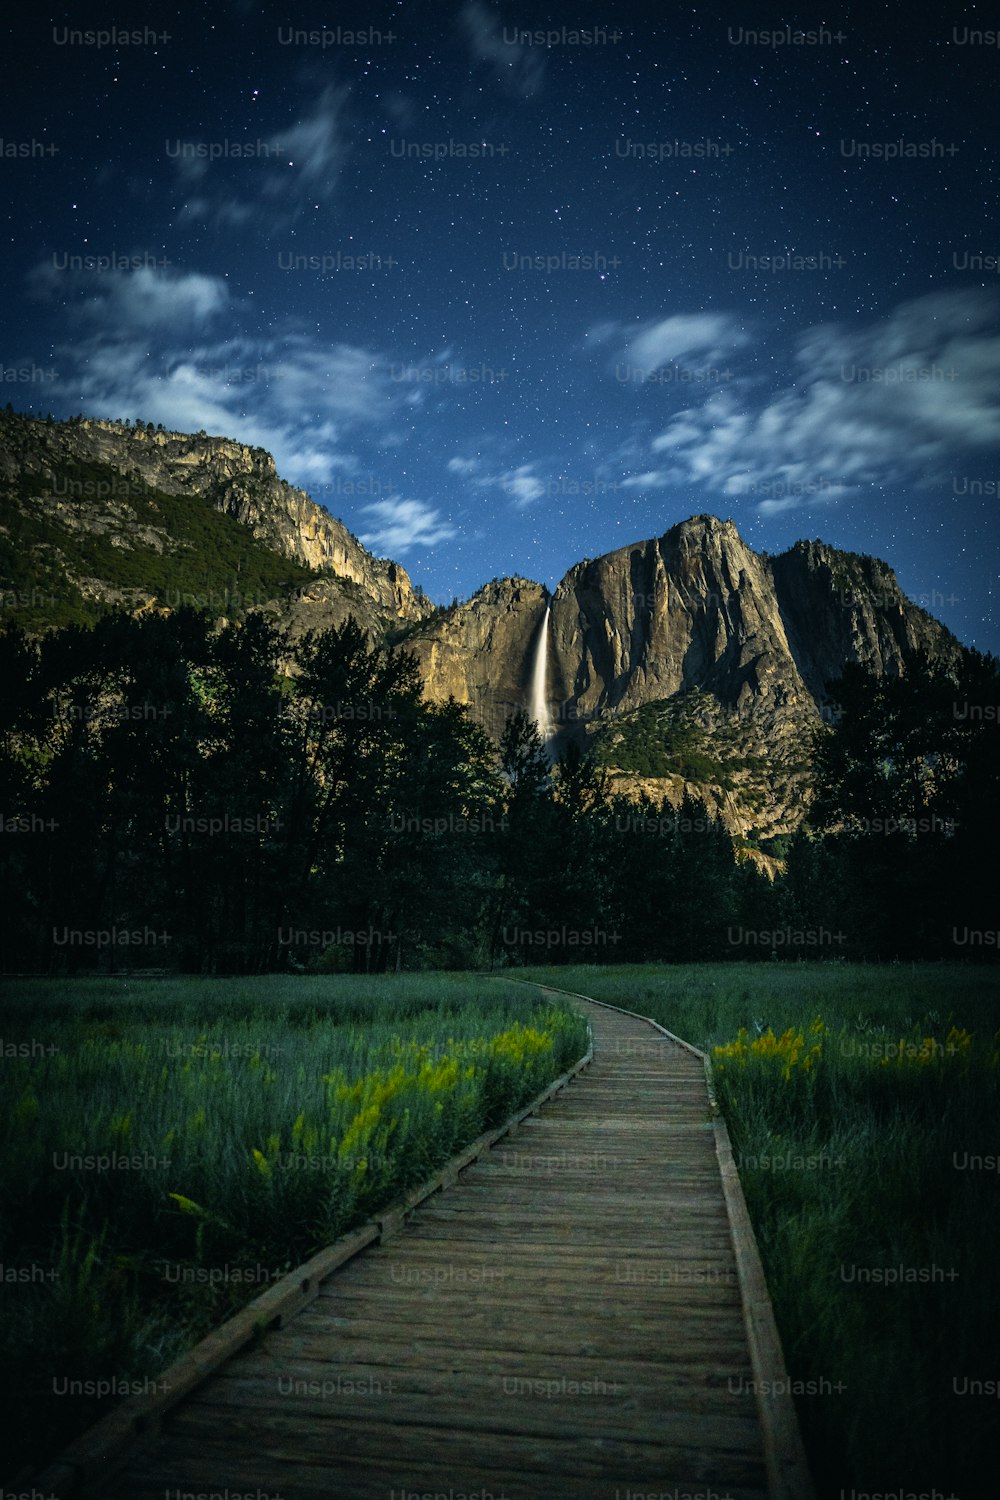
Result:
391,1348
200,1467
724,1345
527,1401
355,1440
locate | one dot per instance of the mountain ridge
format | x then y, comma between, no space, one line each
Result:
659,646
236,479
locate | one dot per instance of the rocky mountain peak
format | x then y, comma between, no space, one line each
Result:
689,637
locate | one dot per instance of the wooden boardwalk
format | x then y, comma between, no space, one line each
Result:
566,1323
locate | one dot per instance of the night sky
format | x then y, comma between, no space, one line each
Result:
501,305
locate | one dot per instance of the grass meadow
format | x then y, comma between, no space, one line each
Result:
170,1147
863,1104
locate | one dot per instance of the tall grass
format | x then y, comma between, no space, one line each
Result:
877,1229
170,1147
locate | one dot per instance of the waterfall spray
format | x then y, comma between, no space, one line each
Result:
539,675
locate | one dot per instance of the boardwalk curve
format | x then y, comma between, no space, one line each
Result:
581,1316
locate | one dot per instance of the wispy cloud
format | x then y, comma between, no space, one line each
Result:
892,401
518,69
314,146
292,165
148,297
711,338
400,525
522,485
652,479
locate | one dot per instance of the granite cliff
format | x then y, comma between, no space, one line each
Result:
687,652
689,663
480,652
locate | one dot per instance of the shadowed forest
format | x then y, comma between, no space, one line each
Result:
216,801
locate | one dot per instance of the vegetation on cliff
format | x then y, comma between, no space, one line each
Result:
84,534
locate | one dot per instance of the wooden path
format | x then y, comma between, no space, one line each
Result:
568,1322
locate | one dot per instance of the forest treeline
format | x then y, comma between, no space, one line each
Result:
178,796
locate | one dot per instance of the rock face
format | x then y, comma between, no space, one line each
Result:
699,608
480,653
239,481
745,642
839,606
694,608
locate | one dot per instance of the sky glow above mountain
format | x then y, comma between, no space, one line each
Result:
505,288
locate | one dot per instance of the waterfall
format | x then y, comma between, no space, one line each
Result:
539,677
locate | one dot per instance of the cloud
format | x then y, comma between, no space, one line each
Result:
399,525
517,68
649,479
401,109
222,211
345,382
148,297
712,337
289,167
890,401
314,144
522,484
144,299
